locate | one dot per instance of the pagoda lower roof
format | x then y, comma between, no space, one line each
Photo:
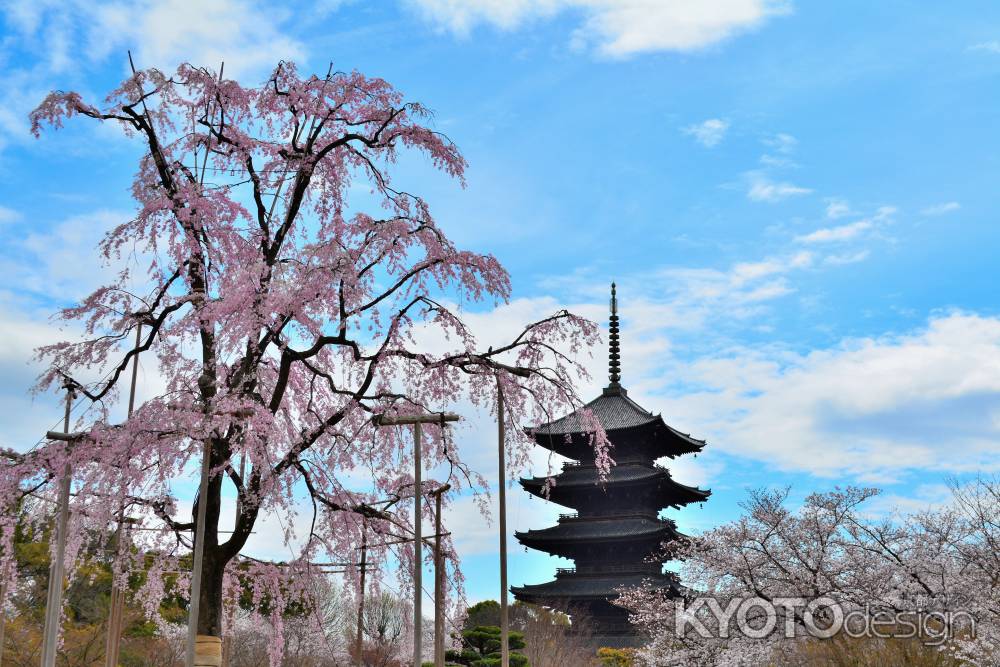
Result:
578,477
600,529
588,586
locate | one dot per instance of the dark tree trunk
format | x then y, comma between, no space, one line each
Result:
214,558
210,609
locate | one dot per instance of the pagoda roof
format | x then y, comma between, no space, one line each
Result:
613,409
590,586
599,529
575,477
616,413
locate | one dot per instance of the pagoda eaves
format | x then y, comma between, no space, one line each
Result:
615,538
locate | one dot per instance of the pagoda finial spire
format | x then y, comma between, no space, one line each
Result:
614,357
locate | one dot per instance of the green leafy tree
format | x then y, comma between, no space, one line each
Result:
486,612
481,648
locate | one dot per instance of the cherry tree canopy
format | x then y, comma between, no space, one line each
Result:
282,316
939,569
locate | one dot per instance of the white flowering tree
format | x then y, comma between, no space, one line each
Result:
938,569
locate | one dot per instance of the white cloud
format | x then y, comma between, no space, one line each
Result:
617,28
871,408
245,34
941,209
48,269
708,133
847,258
62,39
242,33
763,189
882,217
782,142
8,215
48,263
837,208
922,498
779,161
992,46
831,234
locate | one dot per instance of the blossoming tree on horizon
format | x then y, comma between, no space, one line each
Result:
282,316
929,579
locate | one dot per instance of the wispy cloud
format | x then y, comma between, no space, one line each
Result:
47,261
781,142
837,208
708,133
941,209
992,46
8,215
847,258
781,145
882,216
616,28
763,189
840,233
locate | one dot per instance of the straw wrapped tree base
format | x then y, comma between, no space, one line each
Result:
207,651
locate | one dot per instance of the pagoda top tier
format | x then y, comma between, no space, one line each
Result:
632,429
616,412
613,409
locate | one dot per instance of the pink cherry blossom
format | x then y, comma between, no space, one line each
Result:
280,304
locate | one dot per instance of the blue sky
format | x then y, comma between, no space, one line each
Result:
796,200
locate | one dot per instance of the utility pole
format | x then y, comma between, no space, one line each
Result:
359,646
504,621
417,420
53,605
117,612
438,579
116,617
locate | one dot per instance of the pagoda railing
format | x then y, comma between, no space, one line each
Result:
614,628
608,514
641,460
611,568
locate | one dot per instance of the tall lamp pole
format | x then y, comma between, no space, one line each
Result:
358,645
53,605
504,620
116,617
438,579
417,420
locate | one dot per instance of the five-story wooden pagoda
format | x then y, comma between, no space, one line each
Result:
616,533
